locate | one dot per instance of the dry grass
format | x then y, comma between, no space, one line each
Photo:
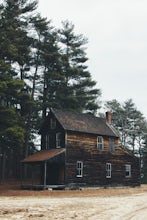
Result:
13,189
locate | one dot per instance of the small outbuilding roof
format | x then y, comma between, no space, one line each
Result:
43,155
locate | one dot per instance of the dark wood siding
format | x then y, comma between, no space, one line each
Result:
51,132
83,147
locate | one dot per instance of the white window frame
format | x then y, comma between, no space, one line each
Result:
127,170
111,144
108,170
52,123
58,140
79,168
100,143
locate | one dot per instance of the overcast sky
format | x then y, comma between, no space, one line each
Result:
117,48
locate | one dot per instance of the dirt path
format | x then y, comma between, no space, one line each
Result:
132,207
96,204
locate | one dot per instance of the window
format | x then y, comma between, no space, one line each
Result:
111,144
100,143
47,138
58,140
128,170
52,123
79,168
108,170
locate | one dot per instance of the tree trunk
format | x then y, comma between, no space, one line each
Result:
3,166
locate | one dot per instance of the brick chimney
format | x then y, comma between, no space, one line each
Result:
109,117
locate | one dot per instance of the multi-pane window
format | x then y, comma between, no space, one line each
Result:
52,123
111,144
127,170
108,170
58,140
47,141
79,168
100,143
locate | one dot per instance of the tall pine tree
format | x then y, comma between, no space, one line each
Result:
14,100
130,123
77,91
67,82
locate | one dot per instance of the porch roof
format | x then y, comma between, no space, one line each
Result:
43,155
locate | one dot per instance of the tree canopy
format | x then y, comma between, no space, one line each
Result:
40,67
130,123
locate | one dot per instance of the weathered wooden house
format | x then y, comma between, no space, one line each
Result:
83,150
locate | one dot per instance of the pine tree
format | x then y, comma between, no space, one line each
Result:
47,63
77,91
40,27
14,100
130,123
12,121
66,82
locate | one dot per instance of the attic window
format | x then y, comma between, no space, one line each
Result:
52,123
100,143
47,137
58,140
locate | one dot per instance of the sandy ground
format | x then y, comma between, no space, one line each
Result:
89,204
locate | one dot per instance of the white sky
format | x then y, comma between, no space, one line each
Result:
117,48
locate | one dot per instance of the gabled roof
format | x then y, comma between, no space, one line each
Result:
43,155
86,123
